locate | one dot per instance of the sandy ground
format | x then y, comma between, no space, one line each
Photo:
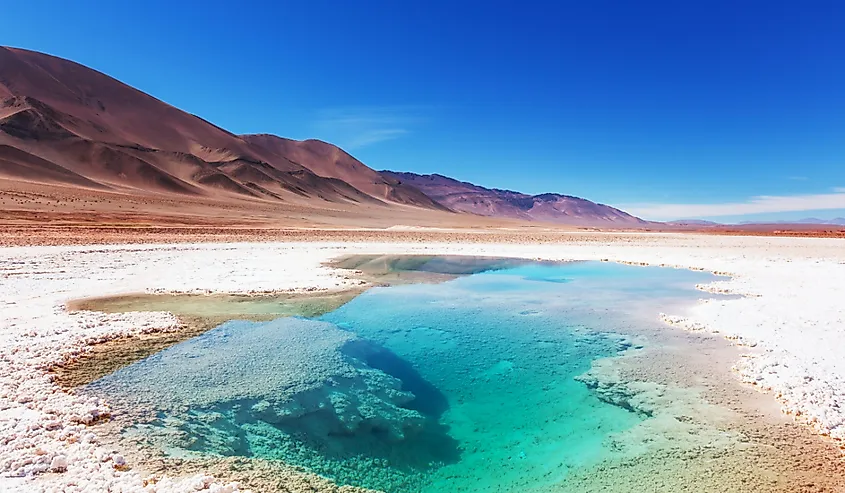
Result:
791,323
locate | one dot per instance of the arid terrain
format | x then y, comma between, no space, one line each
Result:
106,190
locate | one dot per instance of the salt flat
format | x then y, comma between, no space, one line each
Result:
791,321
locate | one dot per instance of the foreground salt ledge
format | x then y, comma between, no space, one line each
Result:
794,319
46,432
792,326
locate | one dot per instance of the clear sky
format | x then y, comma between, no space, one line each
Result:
673,109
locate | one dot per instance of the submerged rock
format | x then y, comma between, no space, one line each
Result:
300,376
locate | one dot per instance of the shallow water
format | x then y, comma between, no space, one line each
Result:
467,385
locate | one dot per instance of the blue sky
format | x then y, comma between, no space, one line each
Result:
734,110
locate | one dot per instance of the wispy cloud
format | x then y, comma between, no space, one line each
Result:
754,205
356,127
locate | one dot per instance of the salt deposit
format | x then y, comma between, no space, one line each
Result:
792,321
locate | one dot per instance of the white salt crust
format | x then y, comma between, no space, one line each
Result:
792,320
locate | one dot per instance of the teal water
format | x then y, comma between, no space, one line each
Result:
463,386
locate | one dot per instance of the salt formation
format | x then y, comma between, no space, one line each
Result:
46,431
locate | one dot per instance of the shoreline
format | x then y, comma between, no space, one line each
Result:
122,268
194,318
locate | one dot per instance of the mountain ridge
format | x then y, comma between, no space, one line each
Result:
837,221
468,197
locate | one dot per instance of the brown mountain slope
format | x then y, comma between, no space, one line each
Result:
18,163
85,128
109,110
550,207
330,161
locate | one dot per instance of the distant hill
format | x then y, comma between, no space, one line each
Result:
810,221
838,221
549,207
691,222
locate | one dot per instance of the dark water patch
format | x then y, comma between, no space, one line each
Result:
411,269
436,264
428,400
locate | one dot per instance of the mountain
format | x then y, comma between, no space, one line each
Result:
549,207
837,221
63,123
75,142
